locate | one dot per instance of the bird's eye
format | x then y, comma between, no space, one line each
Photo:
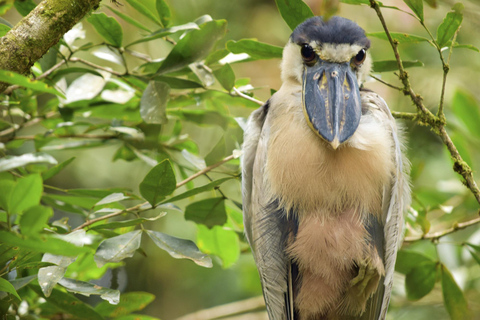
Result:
360,57
308,53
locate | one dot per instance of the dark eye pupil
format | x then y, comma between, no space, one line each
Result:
307,53
360,55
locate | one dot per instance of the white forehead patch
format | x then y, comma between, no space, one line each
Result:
333,52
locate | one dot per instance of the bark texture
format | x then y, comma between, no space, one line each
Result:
41,29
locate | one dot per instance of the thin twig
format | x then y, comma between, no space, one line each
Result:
405,115
28,123
386,83
78,136
437,235
96,66
226,310
138,206
243,95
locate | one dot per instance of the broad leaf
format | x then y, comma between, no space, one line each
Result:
17,284
192,192
158,183
25,6
180,248
221,242
22,81
421,279
118,248
450,25
400,37
129,19
194,46
26,193
210,212
6,286
108,28
178,83
256,50
165,32
129,302
217,153
154,101
56,169
114,197
467,109
294,12
391,65
69,304
453,297
126,223
137,5
12,162
4,29
34,219
87,289
416,6
225,76
163,11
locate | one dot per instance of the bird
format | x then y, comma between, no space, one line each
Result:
325,181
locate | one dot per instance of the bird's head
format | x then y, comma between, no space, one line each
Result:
329,59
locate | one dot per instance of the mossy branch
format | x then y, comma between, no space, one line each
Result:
36,33
423,116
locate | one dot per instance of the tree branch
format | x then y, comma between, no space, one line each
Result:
41,29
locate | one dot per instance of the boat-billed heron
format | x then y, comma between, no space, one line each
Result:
325,183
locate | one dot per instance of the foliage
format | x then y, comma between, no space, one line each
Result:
56,242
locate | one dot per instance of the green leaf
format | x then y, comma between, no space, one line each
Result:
108,28
180,248
465,46
114,197
118,248
294,12
158,183
87,289
69,304
6,187
154,101
421,280
34,219
43,244
125,223
475,255
450,25
129,19
407,260
24,6
225,76
4,29
194,46
136,317
56,169
416,6
163,11
453,297
467,109
9,288
221,242
165,32
65,71
145,11
197,190
256,50
5,6
391,65
129,302
178,83
12,162
26,193
18,284
22,81
210,212
400,37
217,153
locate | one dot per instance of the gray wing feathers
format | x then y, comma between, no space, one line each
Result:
264,226
396,197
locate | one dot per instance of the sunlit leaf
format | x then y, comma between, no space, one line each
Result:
69,304
6,286
18,284
421,279
154,102
26,193
126,223
114,197
221,242
56,169
22,81
165,32
416,6
66,71
453,297
256,50
225,76
210,212
192,192
34,219
87,289
391,65
180,248
12,162
294,12
450,25
137,5
118,248
129,302
158,183
194,46
163,11
4,29
467,109
128,19
178,83
400,37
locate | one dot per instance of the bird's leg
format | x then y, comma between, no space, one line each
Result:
366,274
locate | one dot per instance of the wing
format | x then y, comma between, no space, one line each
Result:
387,234
265,223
